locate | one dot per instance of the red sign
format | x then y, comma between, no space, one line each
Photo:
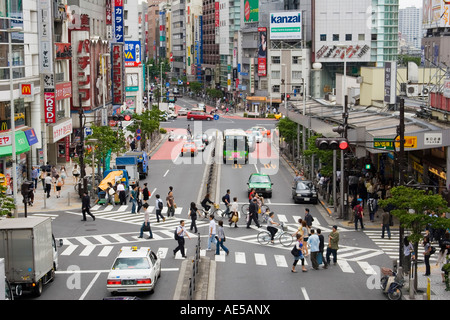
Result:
217,14
49,107
63,51
117,73
108,12
25,89
262,52
63,90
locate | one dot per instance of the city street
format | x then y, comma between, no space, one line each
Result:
89,248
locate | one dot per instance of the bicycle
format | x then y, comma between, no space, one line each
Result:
285,238
217,212
264,208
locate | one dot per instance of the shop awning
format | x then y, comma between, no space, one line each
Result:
256,98
21,145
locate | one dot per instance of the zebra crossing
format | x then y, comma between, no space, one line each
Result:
391,246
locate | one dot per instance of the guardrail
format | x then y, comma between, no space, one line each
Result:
195,263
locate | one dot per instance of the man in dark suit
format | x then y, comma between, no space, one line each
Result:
253,213
86,206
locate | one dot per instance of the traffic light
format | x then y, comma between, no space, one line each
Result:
80,148
288,97
282,97
332,143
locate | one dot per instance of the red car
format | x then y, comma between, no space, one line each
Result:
198,115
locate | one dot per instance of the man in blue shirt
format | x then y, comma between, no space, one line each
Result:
313,242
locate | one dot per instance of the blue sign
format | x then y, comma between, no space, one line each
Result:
167,84
87,131
216,117
132,53
31,137
118,23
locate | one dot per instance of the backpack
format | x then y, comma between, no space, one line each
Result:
160,204
176,236
433,250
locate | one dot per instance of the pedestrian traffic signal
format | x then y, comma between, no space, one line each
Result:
332,143
288,97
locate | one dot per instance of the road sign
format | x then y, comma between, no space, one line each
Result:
87,131
386,144
216,117
138,138
138,131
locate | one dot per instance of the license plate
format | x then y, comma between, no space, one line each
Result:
306,199
128,282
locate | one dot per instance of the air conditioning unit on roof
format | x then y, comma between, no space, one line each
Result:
412,90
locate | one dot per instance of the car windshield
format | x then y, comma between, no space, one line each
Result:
131,263
304,185
259,179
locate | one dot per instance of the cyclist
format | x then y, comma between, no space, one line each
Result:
270,228
205,202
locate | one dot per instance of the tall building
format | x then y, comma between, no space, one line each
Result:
211,58
178,41
153,37
194,40
410,25
384,45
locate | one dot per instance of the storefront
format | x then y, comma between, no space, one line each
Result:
255,104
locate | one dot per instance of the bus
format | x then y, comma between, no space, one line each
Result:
235,146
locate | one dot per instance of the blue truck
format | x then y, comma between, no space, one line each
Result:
142,162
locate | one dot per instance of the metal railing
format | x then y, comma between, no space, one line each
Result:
195,263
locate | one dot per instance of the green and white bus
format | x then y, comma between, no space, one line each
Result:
235,146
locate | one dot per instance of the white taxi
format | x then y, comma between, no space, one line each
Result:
134,270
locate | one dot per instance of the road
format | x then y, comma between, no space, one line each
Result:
251,271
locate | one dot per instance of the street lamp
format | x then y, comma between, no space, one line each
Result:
12,116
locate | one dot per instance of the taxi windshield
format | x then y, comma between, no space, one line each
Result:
131,263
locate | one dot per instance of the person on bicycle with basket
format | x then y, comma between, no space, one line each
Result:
205,202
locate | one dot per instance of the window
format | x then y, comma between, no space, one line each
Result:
296,60
374,37
275,74
276,88
361,37
323,37
348,37
296,74
335,37
276,60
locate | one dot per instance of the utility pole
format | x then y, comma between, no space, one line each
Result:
342,182
401,159
80,151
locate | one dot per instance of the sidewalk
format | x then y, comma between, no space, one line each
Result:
436,285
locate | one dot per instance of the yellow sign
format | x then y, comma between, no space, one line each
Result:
410,142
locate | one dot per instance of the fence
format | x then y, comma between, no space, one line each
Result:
195,263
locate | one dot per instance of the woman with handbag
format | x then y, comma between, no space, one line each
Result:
58,185
193,215
298,254
234,209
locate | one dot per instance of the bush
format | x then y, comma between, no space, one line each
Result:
162,130
245,114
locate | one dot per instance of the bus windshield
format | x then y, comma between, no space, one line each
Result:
235,147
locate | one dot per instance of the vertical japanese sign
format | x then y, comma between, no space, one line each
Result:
117,73
46,51
118,20
390,82
262,52
109,19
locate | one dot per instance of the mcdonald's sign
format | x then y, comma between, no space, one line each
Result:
26,89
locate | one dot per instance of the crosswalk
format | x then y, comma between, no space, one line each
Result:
391,246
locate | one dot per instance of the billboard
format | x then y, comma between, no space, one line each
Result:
262,52
251,11
435,14
286,25
117,74
132,53
390,82
118,21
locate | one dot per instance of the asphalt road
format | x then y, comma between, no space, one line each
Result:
250,272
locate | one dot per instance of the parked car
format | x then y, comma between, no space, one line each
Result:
134,270
172,115
200,145
258,136
263,130
189,148
304,191
261,183
196,115
183,112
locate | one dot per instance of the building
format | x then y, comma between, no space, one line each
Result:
194,40
211,57
410,26
178,41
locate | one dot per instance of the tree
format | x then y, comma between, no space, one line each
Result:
6,202
148,122
195,87
412,208
105,141
325,156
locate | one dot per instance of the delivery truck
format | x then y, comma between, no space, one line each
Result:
29,249
142,162
130,164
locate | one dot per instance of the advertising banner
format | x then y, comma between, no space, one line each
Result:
49,107
262,52
286,25
132,53
118,20
251,11
117,73
390,82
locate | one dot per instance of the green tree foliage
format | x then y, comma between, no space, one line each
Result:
6,202
288,129
148,122
195,87
325,156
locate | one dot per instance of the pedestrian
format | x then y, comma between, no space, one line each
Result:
75,173
35,176
133,198
234,209
385,225
211,232
253,213
58,185
426,255
320,256
206,202
227,201
299,230
273,231
63,174
333,246
139,199
146,225
305,235
122,194
170,203
372,206
444,251
308,218
408,255
48,184
111,192
145,193
54,172
297,252
314,242
358,212
221,239
86,206
180,234
193,215
159,206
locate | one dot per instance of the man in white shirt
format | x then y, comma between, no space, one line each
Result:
48,184
181,232
122,194
314,241
212,232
